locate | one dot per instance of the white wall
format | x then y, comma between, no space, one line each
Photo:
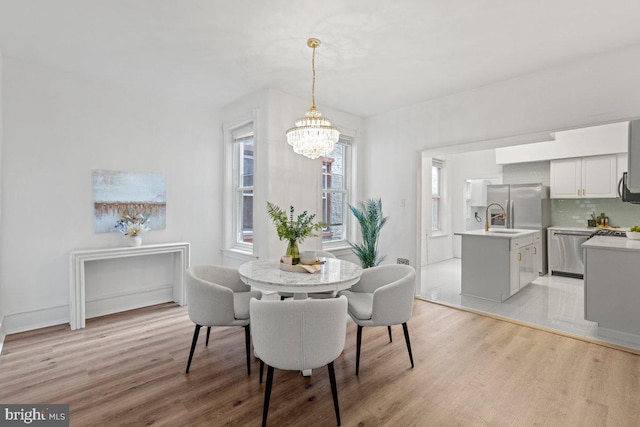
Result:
464,166
595,91
58,127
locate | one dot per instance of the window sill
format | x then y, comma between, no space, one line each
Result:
240,254
439,234
338,248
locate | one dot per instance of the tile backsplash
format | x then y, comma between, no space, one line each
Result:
576,212
526,173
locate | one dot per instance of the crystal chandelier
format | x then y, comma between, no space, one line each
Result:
313,136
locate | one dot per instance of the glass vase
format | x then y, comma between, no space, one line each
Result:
292,249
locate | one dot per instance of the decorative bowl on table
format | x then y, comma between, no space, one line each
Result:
634,235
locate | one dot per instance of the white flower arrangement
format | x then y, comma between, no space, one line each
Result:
133,226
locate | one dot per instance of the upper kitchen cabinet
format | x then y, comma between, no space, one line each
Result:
594,177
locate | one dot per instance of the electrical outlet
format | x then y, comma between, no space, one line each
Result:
403,261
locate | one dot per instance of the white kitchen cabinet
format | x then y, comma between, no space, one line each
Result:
611,291
594,177
515,259
524,258
566,179
527,272
623,164
537,255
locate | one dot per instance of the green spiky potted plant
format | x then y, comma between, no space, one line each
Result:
293,229
371,221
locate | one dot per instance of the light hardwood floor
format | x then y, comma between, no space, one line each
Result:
128,370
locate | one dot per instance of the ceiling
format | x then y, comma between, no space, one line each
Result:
375,55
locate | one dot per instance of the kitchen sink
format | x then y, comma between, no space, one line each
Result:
504,232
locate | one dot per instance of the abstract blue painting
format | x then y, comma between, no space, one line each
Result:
117,194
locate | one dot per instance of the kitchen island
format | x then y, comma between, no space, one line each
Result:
612,286
497,263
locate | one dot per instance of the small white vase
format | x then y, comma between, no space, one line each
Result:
134,240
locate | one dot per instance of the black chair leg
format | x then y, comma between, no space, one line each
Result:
358,342
247,344
267,395
193,345
389,329
206,344
334,391
406,338
261,370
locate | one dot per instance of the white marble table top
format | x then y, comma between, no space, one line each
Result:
266,275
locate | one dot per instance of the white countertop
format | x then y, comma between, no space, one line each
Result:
499,233
614,243
560,228
590,229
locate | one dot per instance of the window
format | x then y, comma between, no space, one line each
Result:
436,193
243,167
335,193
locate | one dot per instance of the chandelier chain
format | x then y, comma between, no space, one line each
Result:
313,83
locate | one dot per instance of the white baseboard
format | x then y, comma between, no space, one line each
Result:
116,303
438,259
618,335
35,319
107,304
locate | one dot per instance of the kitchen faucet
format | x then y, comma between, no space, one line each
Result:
486,215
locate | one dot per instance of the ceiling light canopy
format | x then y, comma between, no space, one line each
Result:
313,135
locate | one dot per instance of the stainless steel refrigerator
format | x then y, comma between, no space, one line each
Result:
527,207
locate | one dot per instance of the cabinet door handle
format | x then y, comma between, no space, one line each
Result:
584,192
578,191
519,256
535,251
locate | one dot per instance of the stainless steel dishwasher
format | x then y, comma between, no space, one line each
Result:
566,257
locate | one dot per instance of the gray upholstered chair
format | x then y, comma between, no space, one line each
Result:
298,335
316,295
217,297
382,297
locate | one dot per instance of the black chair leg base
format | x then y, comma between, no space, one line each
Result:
358,343
406,338
267,395
334,391
193,346
247,344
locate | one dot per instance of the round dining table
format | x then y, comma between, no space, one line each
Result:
333,275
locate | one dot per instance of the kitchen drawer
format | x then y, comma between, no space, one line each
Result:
520,242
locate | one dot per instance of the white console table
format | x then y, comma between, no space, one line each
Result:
77,260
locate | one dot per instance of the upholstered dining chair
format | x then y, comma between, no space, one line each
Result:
314,336
217,297
382,297
316,295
